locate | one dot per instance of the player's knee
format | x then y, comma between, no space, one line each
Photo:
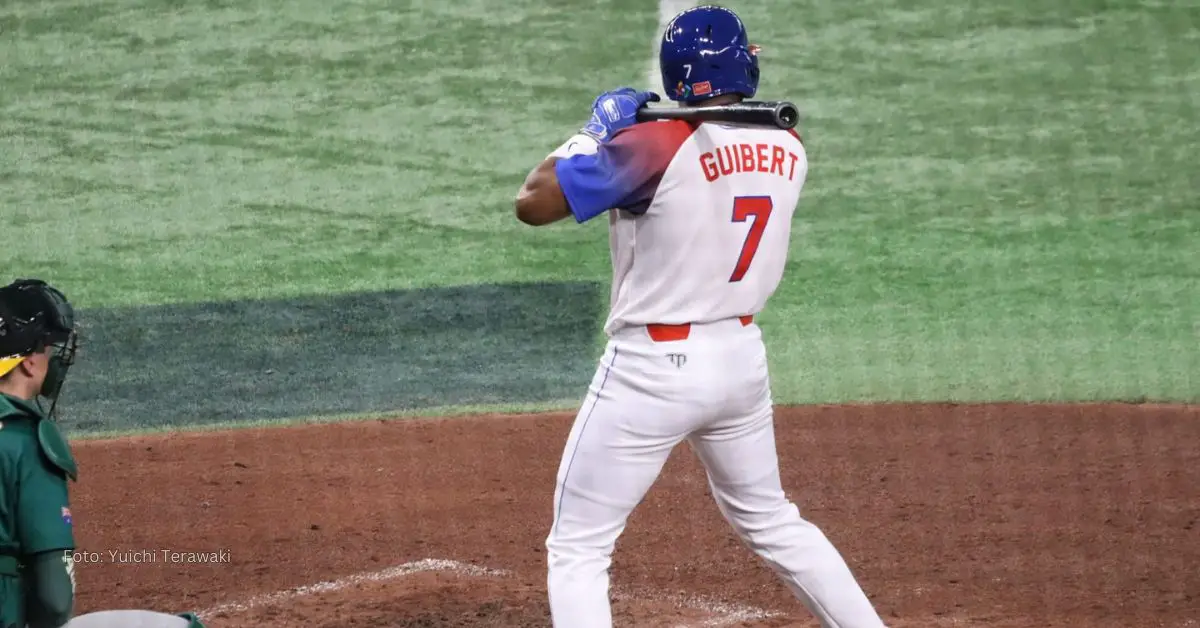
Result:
575,563
575,547
574,550
766,523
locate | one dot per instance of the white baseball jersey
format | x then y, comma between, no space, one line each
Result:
700,217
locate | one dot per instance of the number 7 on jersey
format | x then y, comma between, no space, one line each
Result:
745,208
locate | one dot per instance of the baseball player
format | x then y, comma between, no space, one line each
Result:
699,224
37,542
37,346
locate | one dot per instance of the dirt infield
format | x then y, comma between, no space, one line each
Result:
999,515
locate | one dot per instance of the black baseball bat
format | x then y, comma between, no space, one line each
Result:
779,114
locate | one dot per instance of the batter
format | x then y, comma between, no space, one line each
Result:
699,219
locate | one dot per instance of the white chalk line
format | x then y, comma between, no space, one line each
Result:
726,614
391,573
667,9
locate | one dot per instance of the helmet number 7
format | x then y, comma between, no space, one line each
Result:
744,208
689,70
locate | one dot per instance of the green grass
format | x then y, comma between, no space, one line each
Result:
1001,202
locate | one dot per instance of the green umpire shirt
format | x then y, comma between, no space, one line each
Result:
35,515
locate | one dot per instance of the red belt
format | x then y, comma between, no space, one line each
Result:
670,333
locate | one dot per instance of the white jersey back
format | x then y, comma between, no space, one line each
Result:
713,242
700,217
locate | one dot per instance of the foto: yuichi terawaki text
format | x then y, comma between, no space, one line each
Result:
143,556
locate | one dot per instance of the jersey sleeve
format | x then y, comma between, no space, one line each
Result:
622,174
43,517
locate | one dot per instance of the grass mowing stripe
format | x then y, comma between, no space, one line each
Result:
331,355
564,405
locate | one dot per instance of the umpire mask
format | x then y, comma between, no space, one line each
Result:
33,316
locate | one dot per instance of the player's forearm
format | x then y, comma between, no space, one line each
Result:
51,595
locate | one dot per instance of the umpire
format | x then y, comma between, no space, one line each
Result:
37,346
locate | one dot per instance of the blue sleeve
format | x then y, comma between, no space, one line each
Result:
622,174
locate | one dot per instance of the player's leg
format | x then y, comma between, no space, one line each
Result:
743,472
618,444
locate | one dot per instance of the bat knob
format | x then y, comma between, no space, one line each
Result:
786,115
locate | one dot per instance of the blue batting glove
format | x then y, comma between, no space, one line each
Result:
615,110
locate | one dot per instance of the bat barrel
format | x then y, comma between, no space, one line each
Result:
786,115
781,115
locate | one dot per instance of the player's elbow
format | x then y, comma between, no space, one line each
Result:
530,209
540,200
525,207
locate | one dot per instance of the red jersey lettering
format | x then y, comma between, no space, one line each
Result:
741,158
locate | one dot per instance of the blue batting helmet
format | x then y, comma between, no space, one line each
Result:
705,53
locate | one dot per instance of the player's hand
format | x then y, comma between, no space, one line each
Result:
616,110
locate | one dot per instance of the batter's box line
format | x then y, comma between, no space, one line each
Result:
726,614
329,586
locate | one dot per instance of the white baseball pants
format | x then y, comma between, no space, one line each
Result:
711,389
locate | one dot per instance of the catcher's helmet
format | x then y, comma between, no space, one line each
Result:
705,53
33,316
